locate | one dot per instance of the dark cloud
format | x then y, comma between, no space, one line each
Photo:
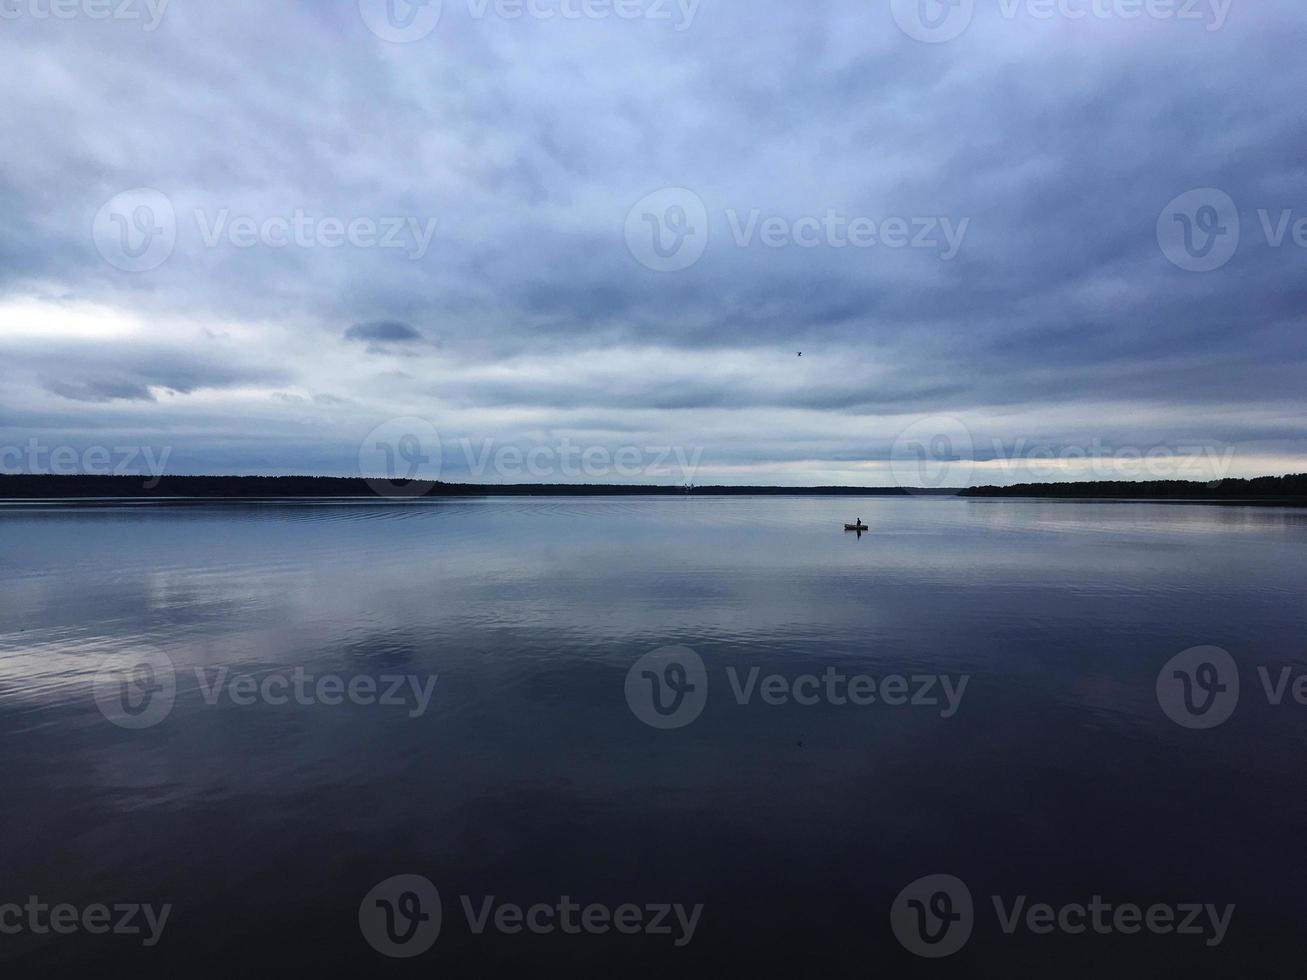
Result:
99,391
527,142
383,332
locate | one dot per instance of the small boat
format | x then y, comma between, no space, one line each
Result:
856,527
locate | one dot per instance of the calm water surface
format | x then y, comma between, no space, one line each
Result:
528,776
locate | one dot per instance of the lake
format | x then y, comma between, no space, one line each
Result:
652,737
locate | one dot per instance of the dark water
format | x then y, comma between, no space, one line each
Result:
529,776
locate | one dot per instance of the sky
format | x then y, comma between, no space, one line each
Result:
587,240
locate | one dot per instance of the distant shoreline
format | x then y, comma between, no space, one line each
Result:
324,487
1287,491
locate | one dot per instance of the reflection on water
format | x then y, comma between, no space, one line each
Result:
265,818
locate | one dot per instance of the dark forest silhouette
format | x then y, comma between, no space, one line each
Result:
1284,488
1270,489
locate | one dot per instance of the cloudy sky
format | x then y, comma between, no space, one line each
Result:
586,239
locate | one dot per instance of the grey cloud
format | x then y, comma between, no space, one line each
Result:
1061,141
383,332
99,391
388,337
